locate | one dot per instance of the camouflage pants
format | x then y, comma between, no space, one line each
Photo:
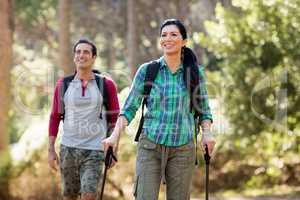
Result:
80,170
156,163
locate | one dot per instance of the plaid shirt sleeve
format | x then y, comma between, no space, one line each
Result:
135,96
204,103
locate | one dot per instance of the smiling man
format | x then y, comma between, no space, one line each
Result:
88,105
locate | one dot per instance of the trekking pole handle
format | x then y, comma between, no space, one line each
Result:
206,155
110,156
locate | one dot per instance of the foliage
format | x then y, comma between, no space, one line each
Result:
257,45
35,22
260,48
32,83
253,48
5,173
5,165
15,129
29,9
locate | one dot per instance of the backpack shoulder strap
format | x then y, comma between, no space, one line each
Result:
151,73
100,80
65,84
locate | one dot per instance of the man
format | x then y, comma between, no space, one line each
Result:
87,119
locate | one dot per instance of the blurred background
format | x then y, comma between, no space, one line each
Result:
251,53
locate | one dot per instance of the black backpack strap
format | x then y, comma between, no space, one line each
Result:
65,84
151,73
96,71
100,80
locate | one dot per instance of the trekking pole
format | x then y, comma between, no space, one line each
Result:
108,160
207,159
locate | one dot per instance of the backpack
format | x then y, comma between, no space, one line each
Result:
100,80
191,78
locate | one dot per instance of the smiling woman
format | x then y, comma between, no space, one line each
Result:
166,150
171,40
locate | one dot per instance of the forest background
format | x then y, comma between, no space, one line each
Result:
251,53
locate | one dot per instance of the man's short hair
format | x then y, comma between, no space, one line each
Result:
86,41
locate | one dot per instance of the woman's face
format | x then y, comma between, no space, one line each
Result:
171,40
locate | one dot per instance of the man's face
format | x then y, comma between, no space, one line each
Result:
83,56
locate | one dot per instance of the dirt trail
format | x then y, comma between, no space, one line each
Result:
292,197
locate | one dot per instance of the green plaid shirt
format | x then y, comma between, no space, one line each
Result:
168,119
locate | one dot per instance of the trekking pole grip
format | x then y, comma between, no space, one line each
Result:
206,155
109,156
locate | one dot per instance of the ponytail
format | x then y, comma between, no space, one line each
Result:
189,58
191,72
190,66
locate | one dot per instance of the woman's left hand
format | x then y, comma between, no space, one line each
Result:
209,141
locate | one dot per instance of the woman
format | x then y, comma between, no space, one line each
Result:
166,151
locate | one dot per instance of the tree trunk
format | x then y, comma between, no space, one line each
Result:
182,9
132,46
5,66
111,52
65,52
226,3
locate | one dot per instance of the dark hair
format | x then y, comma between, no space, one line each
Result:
189,58
86,41
177,23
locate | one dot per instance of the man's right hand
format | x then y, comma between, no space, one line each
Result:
112,141
53,160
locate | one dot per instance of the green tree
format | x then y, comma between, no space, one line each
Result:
258,45
261,46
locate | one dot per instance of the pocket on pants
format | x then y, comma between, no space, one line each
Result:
145,143
146,150
66,158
